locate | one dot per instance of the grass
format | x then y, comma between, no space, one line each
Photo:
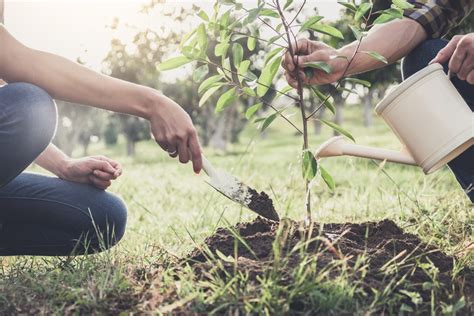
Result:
171,210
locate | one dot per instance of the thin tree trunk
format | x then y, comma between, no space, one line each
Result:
339,117
130,147
218,139
367,104
317,124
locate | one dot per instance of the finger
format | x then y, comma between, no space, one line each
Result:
466,68
291,80
183,151
457,59
195,149
104,175
302,47
98,183
316,56
445,53
470,77
172,152
117,165
103,165
288,62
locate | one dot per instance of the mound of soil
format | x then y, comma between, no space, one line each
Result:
389,251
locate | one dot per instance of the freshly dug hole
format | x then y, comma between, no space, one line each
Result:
389,253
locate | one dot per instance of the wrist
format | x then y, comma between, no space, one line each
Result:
152,102
63,167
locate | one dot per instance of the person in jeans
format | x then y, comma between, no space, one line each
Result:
71,213
418,38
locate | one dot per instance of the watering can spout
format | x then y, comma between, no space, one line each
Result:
339,146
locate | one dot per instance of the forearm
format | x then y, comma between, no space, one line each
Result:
53,160
69,81
393,40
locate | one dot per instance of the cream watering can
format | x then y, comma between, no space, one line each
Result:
429,117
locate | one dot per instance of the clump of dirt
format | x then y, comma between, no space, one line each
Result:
389,253
262,205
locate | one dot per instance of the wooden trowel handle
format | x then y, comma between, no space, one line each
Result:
208,168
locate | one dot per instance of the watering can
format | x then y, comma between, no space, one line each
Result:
428,116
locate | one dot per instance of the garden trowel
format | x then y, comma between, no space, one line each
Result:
239,192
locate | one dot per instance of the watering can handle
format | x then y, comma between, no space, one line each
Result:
339,146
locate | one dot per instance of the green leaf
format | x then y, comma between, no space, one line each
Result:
310,22
203,15
206,84
252,110
274,38
221,49
226,99
272,54
269,12
384,18
365,83
173,63
310,165
283,91
362,10
287,4
337,128
327,29
267,76
323,98
389,15
356,31
403,4
209,93
327,178
224,258
348,5
319,65
376,55
251,43
249,91
237,54
200,73
243,69
269,120
201,37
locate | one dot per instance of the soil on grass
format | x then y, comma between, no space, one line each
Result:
389,253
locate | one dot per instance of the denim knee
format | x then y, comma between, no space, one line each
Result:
111,223
421,55
35,118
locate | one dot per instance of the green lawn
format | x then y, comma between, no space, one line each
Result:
171,209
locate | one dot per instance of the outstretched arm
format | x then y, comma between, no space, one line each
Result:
69,81
393,40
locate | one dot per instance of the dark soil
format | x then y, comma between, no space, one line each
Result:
379,242
261,204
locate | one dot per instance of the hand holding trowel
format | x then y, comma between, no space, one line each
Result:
238,192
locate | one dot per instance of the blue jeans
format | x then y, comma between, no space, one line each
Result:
463,165
42,215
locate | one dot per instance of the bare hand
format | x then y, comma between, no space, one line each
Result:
97,170
174,132
307,51
460,53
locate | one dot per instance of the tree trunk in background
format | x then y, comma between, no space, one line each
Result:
339,117
317,123
367,101
2,7
218,139
130,147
